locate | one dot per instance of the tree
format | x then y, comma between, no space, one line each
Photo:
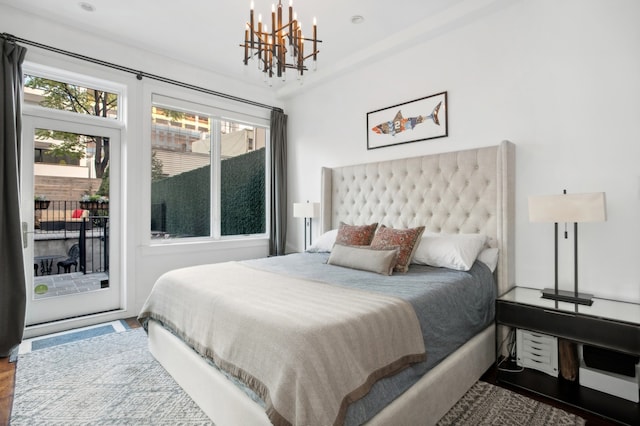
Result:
156,167
68,97
104,185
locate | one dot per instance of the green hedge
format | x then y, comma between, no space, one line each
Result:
186,199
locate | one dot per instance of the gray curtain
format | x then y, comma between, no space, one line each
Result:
278,161
12,274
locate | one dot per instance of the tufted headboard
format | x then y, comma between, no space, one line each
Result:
470,191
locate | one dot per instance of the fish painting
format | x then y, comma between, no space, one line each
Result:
400,124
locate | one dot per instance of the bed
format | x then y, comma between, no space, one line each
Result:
468,192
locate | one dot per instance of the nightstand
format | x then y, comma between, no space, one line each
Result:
607,324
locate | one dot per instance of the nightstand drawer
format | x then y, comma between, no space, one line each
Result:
597,331
537,351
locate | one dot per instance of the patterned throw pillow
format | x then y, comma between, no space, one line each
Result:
355,235
406,239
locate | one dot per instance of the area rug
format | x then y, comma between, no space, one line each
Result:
112,379
485,404
105,380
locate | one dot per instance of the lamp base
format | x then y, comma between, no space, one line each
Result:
568,296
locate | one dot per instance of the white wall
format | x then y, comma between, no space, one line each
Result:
141,262
560,79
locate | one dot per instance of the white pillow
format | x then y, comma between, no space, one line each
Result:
453,251
324,243
489,256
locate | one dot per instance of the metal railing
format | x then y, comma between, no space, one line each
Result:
64,223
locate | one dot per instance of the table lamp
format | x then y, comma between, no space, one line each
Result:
307,211
576,208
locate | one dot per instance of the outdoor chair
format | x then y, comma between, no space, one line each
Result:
74,254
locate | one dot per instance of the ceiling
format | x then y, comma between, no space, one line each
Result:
207,33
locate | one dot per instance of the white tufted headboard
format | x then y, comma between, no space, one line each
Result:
470,191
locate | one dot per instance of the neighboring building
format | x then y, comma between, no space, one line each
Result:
185,144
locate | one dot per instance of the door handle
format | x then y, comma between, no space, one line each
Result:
25,233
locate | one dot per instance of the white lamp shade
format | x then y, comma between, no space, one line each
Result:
559,208
306,209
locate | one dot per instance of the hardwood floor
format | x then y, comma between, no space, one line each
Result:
7,385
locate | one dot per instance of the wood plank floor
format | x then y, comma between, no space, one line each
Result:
7,386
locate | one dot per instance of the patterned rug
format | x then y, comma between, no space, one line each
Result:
104,380
485,404
112,379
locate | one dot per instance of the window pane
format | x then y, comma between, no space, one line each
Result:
242,175
69,97
180,174
71,195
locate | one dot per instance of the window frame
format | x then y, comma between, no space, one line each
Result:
217,109
70,77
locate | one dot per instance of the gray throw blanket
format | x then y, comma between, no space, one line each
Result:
307,348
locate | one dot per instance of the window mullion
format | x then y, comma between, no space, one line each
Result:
215,138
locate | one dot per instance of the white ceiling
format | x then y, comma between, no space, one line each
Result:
207,33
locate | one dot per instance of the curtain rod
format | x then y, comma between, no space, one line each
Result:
139,74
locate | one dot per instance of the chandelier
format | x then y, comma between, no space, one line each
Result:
280,47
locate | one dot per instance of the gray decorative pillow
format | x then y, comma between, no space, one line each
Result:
364,258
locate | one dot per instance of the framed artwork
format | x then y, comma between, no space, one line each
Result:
418,120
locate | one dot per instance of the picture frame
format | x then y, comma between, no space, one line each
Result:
417,120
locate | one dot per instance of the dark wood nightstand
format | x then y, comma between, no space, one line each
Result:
606,324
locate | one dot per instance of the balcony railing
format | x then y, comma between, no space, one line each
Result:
63,221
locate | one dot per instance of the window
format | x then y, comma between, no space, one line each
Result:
68,165
207,172
65,96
